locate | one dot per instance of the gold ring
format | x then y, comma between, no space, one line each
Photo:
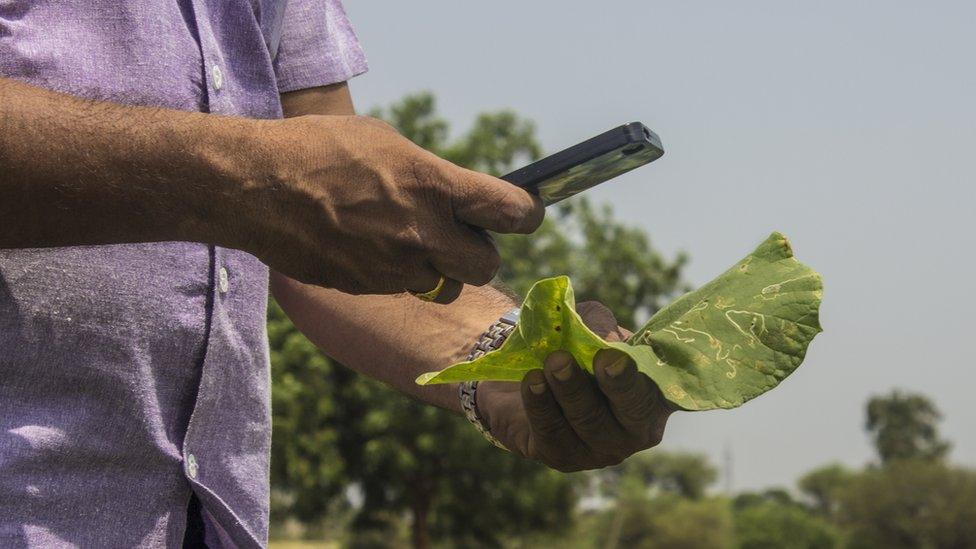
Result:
432,294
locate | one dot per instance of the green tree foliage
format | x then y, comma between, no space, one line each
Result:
337,433
666,521
823,487
768,524
683,474
905,426
914,499
306,426
910,504
659,501
774,496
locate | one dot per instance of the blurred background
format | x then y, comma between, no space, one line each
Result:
845,125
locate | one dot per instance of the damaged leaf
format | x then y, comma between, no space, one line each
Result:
719,346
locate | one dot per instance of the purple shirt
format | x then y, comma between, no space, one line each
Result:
133,374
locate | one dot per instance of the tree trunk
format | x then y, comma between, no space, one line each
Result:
420,508
616,526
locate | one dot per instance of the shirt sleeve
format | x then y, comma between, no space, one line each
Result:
318,46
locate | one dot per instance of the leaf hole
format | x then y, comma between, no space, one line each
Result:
559,328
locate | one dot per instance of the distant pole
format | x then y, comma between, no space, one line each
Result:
727,454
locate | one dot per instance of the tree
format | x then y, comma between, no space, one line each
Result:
659,501
905,426
683,474
766,524
773,518
908,504
823,487
773,496
666,521
335,431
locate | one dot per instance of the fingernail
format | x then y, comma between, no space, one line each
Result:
560,363
537,382
617,367
564,372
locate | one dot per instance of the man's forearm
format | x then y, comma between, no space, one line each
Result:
393,338
74,171
390,338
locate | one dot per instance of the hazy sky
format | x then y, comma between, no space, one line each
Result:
849,126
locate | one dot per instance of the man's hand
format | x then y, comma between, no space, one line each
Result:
350,204
335,200
570,420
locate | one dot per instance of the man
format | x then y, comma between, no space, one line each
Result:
146,179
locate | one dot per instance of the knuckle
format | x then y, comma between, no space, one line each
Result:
544,420
409,239
634,413
635,401
548,425
574,397
589,419
422,173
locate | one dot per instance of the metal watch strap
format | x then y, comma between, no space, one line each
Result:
492,339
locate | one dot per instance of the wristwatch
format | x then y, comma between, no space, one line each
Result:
492,339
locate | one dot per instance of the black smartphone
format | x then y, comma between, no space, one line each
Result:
589,163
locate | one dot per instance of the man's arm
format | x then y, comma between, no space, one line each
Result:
560,416
390,338
393,338
75,172
78,172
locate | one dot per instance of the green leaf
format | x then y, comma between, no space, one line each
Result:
719,346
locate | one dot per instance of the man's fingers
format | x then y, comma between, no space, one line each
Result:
449,292
553,440
491,203
468,255
584,407
428,279
634,399
600,320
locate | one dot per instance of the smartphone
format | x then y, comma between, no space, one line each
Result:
587,164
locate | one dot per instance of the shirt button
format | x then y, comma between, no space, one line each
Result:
191,466
222,282
217,77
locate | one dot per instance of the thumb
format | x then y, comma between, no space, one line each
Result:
491,203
